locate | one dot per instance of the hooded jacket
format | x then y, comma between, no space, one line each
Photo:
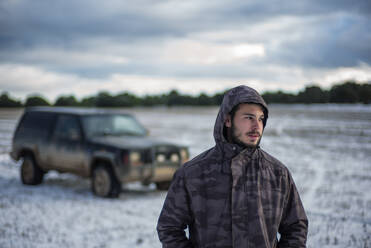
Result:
231,196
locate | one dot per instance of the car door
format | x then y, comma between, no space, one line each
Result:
66,150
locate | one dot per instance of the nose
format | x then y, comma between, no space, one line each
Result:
255,124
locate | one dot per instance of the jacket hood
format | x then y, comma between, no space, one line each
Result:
235,96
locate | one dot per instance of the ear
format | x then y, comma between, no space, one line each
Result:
228,121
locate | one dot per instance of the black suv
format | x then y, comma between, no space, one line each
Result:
110,147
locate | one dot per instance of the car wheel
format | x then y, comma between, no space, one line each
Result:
163,185
31,173
105,183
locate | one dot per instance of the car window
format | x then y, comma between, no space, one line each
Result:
96,125
35,124
67,127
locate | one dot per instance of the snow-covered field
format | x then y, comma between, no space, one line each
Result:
326,147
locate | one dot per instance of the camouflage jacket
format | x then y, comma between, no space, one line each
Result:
230,196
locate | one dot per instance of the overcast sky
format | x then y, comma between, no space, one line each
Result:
64,47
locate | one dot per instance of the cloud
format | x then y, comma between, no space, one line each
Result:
24,80
52,85
330,41
362,73
208,53
282,44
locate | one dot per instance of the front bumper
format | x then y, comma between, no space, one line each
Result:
149,173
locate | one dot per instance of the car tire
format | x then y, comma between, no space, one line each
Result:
104,183
163,185
31,174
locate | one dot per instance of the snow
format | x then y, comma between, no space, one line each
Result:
62,212
326,148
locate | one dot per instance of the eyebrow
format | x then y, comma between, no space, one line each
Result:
249,114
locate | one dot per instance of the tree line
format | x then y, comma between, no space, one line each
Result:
347,92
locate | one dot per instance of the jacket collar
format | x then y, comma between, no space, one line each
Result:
229,151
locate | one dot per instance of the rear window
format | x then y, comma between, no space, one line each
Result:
36,124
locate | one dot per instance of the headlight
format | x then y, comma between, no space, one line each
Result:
135,158
174,158
160,158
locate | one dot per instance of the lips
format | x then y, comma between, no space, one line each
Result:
253,134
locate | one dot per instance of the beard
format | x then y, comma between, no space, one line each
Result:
236,138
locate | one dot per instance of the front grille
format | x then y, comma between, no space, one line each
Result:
146,156
166,154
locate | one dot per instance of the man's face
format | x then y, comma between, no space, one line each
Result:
247,125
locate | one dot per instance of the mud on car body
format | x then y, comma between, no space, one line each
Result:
110,147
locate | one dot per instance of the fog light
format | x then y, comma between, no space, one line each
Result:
160,158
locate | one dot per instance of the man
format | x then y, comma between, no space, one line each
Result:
234,194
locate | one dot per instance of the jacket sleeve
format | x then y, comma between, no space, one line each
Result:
294,224
175,215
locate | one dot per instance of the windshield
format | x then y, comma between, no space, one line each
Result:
98,125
